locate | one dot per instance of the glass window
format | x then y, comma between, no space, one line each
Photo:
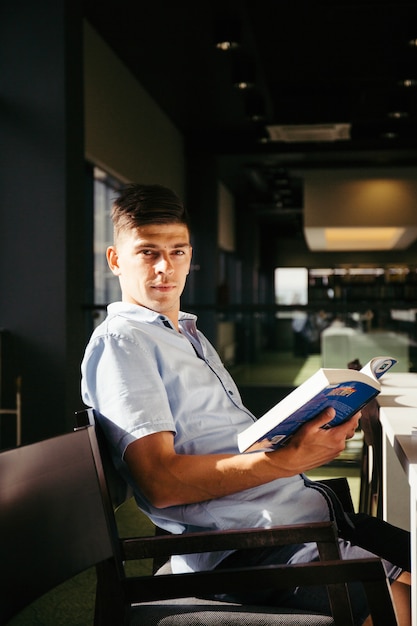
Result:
106,285
291,285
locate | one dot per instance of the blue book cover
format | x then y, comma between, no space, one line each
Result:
346,390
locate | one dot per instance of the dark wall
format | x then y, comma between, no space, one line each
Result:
42,207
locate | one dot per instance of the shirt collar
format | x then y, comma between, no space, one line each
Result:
142,314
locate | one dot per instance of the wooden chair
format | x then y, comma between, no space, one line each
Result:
57,520
370,497
120,492
370,500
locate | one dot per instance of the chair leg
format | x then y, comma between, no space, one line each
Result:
110,605
365,495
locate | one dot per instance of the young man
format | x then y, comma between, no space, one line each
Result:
172,413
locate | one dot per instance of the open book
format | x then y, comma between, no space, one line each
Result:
346,390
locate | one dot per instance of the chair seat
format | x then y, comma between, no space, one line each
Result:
200,612
196,611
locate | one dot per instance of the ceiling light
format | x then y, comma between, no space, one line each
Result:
227,33
346,238
353,210
389,135
397,115
408,82
242,85
226,45
243,72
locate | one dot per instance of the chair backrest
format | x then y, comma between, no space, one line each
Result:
53,521
119,490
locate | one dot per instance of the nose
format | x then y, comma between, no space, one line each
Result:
164,265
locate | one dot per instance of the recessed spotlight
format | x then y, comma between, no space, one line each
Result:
413,43
243,85
226,45
397,115
257,117
243,72
227,33
408,82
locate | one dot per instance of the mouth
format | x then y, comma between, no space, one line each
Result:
163,287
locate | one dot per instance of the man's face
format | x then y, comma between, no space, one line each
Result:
152,263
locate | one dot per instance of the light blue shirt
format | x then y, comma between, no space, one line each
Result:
143,377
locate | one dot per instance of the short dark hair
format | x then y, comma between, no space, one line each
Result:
138,205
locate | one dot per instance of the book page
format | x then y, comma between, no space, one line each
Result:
377,366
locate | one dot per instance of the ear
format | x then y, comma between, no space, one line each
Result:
113,260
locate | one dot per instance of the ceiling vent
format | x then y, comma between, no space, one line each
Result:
309,132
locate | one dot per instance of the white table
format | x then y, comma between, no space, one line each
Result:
400,478
393,379
398,389
396,422
398,402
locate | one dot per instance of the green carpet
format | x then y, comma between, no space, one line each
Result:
72,603
277,368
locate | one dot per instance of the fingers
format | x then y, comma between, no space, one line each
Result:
322,445
329,413
324,417
313,446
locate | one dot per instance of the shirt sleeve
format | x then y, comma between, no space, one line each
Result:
120,380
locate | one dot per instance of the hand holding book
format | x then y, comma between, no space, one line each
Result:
346,390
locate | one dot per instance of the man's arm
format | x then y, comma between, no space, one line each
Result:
168,479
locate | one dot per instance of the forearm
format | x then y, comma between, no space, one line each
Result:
193,479
169,479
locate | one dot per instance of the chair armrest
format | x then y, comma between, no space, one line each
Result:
322,533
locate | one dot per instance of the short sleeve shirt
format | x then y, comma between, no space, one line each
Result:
142,376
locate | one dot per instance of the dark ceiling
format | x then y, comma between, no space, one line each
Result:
314,63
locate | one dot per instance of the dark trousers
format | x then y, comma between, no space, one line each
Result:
380,538
370,533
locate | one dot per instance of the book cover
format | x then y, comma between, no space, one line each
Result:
346,390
